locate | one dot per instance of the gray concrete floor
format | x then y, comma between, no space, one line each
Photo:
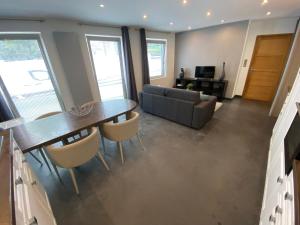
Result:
185,177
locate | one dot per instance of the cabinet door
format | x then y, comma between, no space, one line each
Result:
31,199
288,201
269,216
275,176
36,185
38,213
19,198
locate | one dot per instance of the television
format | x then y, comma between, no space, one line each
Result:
292,144
205,72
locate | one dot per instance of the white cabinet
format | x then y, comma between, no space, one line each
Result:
279,208
278,203
31,201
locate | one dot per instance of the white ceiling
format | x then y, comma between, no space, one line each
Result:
160,12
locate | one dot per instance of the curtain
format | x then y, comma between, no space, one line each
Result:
129,71
5,112
145,65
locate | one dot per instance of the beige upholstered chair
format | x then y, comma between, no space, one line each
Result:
122,131
76,154
40,149
100,128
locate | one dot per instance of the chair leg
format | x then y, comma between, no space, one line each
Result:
121,151
102,138
33,156
74,180
141,143
103,143
103,160
44,158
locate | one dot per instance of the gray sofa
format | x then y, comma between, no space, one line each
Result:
182,106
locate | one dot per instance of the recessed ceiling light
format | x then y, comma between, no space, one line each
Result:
184,2
101,5
264,2
145,16
208,13
222,21
171,23
268,13
189,27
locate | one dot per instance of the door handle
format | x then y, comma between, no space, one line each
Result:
288,196
278,209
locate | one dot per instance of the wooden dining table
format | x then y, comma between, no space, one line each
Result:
49,130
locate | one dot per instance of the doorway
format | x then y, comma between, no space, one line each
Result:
267,65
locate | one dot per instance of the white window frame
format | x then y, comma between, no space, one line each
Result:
38,38
91,37
164,64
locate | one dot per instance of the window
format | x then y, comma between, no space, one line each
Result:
156,57
26,79
107,61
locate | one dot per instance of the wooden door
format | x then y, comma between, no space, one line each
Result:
267,65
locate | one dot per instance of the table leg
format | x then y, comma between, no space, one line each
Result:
127,115
116,119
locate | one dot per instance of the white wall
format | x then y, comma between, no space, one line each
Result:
260,27
212,46
46,29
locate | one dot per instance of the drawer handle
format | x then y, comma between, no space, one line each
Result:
279,180
272,219
18,181
33,182
32,221
278,209
288,196
24,160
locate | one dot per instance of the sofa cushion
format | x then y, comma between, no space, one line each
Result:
185,95
155,90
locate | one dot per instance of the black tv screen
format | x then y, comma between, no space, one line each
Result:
292,144
205,72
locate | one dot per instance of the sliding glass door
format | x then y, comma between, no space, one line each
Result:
107,61
25,76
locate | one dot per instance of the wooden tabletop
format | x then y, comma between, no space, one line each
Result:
49,130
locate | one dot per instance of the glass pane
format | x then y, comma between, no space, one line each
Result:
107,63
26,78
156,58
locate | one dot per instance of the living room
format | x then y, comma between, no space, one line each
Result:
209,86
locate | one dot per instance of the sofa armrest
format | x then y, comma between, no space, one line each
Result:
203,112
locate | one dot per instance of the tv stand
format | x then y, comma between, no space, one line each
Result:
207,85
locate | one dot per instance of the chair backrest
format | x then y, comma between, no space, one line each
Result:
47,115
123,130
75,154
